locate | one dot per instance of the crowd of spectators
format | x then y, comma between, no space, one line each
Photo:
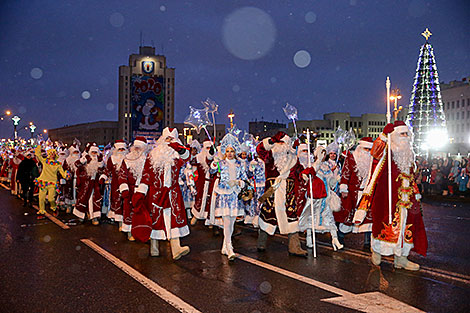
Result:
444,176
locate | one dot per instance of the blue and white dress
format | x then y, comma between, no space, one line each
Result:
323,208
228,187
256,172
186,180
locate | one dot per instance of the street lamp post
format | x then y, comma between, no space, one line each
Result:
16,120
231,115
32,128
395,97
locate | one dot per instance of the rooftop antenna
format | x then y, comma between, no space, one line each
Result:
162,50
141,39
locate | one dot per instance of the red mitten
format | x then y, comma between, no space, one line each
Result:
388,128
88,158
100,158
318,188
138,201
309,171
125,194
141,225
101,181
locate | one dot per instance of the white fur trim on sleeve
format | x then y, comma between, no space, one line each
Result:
214,165
143,188
103,177
418,196
123,187
185,155
266,144
343,188
383,137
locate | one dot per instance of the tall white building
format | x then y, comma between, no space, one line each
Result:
456,102
146,95
366,125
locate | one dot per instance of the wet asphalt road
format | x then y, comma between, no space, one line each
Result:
45,268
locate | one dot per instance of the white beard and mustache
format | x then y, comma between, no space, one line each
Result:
163,157
93,166
117,158
201,158
282,154
71,159
362,158
303,159
61,158
402,151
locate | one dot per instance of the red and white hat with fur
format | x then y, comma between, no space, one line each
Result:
140,142
366,142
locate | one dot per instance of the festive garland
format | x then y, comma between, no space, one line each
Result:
44,184
53,162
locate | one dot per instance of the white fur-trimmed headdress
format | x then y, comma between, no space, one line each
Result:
230,140
332,147
195,144
170,132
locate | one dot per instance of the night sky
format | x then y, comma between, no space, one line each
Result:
59,59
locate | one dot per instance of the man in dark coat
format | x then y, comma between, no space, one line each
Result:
27,172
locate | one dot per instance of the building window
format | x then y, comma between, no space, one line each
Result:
457,115
453,104
458,104
448,105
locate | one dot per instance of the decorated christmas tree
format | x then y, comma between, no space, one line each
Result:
425,113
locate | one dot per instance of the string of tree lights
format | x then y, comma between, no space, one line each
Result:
426,113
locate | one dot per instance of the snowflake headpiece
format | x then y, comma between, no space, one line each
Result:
230,140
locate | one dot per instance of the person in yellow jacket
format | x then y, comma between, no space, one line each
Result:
47,181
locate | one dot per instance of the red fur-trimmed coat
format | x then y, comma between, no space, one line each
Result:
404,197
294,197
350,182
160,197
86,185
128,180
112,171
204,185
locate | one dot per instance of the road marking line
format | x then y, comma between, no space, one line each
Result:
54,219
7,188
366,302
161,292
423,269
296,276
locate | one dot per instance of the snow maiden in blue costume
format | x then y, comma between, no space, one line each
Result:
232,177
323,208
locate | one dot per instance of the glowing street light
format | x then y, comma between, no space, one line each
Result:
395,97
32,128
231,115
7,113
16,120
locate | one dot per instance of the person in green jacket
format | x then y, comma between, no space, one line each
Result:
47,182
